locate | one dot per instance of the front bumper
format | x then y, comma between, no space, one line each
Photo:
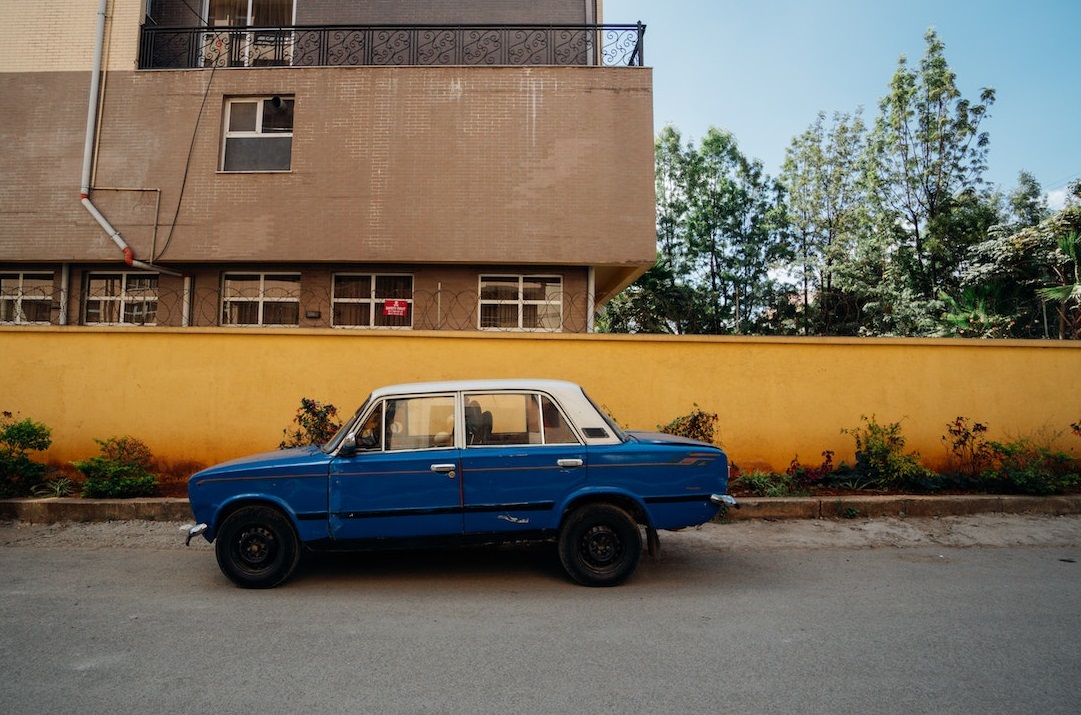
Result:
724,500
194,531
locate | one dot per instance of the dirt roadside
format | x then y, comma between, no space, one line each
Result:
978,530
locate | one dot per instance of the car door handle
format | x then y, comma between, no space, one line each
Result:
569,463
447,469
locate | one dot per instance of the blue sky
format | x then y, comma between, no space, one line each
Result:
762,69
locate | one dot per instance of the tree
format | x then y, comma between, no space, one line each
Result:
719,233
734,236
927,152
822,177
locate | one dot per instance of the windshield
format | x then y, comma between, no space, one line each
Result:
346,428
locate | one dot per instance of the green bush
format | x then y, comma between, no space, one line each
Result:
881,462
20,475
1025,466
697,425
769,484
122,470
315,424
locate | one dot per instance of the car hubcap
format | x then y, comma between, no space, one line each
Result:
255,546
601,546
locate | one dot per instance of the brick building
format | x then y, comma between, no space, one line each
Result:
477,164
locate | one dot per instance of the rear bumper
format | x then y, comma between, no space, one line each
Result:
724,500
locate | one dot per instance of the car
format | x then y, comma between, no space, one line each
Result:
474,461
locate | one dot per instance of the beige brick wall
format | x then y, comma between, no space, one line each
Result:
452,165
58,35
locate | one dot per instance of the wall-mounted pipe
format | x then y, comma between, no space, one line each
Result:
88,149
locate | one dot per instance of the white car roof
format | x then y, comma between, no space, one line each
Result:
568,394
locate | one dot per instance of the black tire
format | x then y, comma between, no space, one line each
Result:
599,545
257,547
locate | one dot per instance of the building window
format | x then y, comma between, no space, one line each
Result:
373,301
121,299
521,303
264,299
26,298
258,134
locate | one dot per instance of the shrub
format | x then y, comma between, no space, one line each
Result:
697,425
315,424
19,474
972,453
1026,466
811,476
881,462
122,470
769,484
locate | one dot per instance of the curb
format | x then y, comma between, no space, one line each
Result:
857,506
47,511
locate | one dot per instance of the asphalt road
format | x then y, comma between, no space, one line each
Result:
732,618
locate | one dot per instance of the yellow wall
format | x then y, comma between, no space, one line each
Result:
211,394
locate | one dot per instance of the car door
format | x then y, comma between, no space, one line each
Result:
518,463
403,480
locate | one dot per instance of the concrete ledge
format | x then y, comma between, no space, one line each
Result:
854,506
43,511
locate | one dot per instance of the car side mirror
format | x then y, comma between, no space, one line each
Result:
348,447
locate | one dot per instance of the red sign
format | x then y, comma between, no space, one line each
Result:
396,308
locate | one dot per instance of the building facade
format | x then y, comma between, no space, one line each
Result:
317,163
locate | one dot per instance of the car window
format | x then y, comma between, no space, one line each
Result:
419,423
502,419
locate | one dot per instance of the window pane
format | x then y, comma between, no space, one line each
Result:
242,116
277,115
141,313
394,286
498,316
420,423
266,153
241,286
281,313
282,287
105,285
352,286
38,286
102,311
9,284
499,288
534,288
352,314
556,429
37,311
241,313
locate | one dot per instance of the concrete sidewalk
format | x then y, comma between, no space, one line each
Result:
45,511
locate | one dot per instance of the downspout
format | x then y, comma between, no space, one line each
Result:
591,299
88,149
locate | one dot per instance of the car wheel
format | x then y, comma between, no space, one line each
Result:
599,545
257,547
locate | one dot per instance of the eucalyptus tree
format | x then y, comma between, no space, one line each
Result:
826,200
927,153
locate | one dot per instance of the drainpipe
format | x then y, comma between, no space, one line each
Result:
88,149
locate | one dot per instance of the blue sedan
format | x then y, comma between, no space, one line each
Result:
479,461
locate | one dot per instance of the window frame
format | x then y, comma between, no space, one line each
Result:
261,299
20,295
520,302
372,300
258,133
127,296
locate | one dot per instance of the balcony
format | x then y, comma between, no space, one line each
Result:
395,46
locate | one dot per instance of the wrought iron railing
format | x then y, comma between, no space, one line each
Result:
387,45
